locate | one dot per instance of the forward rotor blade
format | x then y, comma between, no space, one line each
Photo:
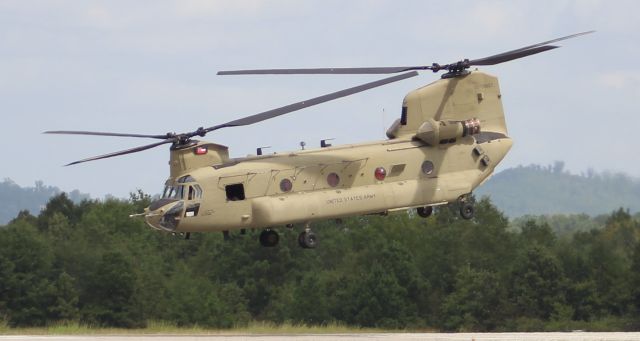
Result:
310,102
122,152
97,133
324,71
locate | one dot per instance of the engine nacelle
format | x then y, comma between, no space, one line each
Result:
440,132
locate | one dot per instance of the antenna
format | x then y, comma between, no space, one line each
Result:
324,144
384,119
259,150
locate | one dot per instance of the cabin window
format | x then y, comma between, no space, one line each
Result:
403,116
427,167
235,192
286,185
333,179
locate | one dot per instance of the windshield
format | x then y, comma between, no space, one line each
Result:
175,192
185,186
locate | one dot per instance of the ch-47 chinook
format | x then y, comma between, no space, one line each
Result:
449,138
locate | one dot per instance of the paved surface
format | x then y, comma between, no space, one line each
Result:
577,336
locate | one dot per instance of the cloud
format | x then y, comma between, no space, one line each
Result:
621,80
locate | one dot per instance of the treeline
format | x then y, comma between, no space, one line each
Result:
91,263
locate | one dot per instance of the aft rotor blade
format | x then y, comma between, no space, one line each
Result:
491,60
505,57
518,53
123,152
325,71
310,102
97,133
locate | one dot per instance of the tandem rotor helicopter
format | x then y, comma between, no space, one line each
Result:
450,136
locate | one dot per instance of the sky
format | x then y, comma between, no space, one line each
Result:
150,67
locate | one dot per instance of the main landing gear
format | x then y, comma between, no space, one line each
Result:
425,212
269,238
306,239
466,208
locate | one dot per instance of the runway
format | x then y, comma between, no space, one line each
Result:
575,336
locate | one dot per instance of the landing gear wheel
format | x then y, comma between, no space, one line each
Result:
269,238
466,210
425,211
307,240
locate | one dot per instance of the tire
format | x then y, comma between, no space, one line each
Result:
467,211
269,238
308,240
425,211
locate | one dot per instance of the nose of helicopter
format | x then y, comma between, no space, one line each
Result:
164,214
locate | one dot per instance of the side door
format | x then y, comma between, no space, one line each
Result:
237,209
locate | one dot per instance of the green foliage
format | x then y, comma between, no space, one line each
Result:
537,283
88,263
109,297
477,303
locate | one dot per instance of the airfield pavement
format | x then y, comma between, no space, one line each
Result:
574,336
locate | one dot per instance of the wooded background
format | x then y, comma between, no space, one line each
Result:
91,263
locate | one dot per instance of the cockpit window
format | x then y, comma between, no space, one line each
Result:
189,190
175,192
186,178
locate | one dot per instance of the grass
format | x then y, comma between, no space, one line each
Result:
161,327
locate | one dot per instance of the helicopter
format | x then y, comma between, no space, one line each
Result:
448,140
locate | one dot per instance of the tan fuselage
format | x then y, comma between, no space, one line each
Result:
431,158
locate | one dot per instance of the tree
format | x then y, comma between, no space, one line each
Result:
537,284
109,296
376,299
65,297
197,301
25,261
477,303
540,234
635,280
311,303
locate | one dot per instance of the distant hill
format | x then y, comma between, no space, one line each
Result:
537,190
14,198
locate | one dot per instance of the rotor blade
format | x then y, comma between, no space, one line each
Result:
122,152
505,57
491,60
324,71
310,102
75,132
543,43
